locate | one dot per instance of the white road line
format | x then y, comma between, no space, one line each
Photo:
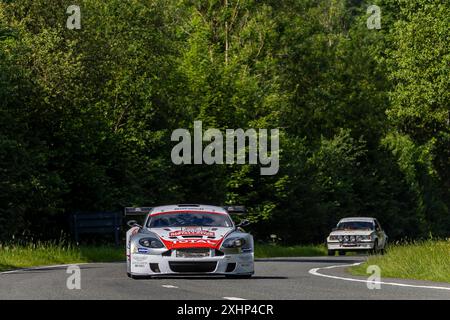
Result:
169,286
315,272
44,267
233,298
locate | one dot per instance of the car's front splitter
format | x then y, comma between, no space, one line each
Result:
357,246
234,264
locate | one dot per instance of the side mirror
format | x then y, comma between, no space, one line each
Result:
133,223
243,223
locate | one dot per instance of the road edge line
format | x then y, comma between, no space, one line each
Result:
45,267
314,271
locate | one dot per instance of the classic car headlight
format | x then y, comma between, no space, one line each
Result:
151,243
334,238
234,243
365,237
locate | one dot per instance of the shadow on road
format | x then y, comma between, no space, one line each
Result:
193,277
311,260
45,269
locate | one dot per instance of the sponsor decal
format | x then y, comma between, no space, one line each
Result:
143,250
192,243
139,265
213,242
194,232
137,258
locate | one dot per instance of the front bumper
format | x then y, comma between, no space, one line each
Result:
158,264
362,245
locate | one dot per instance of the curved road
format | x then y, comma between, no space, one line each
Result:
280,278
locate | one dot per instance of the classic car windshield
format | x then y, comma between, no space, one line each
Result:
189,219
355,225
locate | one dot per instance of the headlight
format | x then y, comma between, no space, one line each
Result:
334,238
233,243
368,237
151,243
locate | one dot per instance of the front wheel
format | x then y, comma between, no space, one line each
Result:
341,252
375,249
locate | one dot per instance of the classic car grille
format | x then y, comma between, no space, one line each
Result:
193,253
352,238
202,266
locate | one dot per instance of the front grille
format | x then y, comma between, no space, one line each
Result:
193,253
188,267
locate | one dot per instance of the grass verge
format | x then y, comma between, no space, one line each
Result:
425,260
21,256
14,256
271,251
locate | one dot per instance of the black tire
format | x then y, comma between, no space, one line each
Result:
331,253
375,249
128,275
383,251
342,252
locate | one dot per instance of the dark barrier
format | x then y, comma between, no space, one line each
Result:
96,223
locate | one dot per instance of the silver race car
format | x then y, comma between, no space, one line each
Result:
188,240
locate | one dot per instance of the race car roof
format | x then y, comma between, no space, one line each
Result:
367,219
187,208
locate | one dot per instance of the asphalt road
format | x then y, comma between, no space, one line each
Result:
283,278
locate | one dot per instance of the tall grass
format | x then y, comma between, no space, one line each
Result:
269,251
424,260
14,256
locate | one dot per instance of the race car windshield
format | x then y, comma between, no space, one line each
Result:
355,225
191,219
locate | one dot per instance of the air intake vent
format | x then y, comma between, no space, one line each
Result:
193,267
155,267
230,267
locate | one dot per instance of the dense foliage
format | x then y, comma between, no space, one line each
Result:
86,115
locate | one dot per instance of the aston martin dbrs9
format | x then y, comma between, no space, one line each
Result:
188,240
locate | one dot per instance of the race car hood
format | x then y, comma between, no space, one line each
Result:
351,233
192,237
